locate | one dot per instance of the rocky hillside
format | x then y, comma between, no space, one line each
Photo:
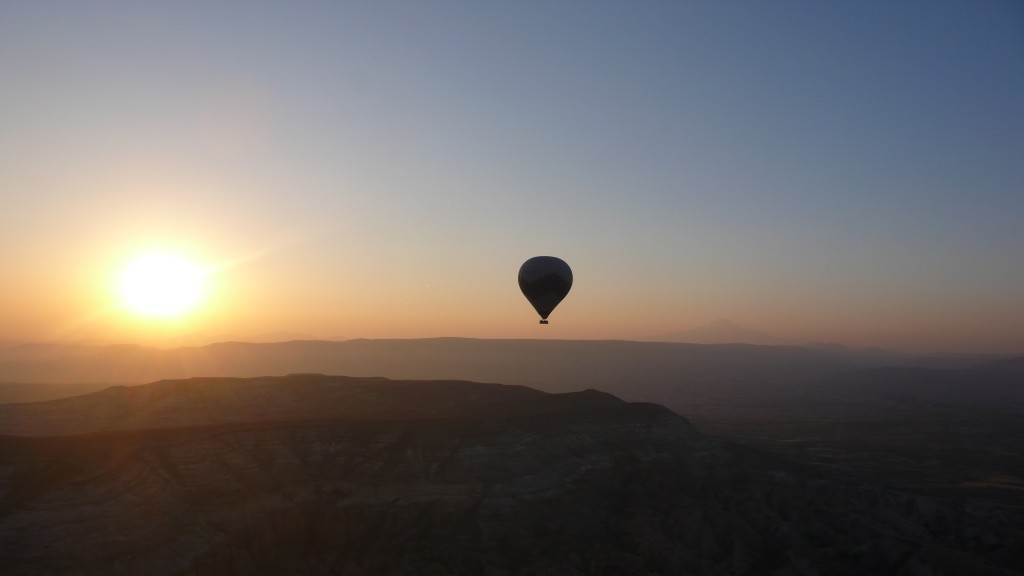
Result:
328,475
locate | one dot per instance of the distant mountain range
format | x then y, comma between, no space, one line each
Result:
723,332
314,474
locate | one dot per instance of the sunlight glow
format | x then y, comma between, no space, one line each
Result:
161,285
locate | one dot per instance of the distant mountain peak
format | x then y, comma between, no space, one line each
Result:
725,323
722,331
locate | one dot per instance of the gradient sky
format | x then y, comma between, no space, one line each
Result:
844,172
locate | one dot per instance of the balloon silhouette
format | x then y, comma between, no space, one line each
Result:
545,280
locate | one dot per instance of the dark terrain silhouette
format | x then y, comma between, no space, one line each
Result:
334,475
941,425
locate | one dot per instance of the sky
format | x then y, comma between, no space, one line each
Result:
835,172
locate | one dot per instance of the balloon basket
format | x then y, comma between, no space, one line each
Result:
543,321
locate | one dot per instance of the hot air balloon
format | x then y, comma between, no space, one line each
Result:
545,280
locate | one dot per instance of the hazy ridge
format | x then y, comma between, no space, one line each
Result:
690,378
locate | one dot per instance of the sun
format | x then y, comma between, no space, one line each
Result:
161,285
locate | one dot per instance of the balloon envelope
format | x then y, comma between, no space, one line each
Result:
545,280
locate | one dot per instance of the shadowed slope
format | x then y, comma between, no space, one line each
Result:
205,401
